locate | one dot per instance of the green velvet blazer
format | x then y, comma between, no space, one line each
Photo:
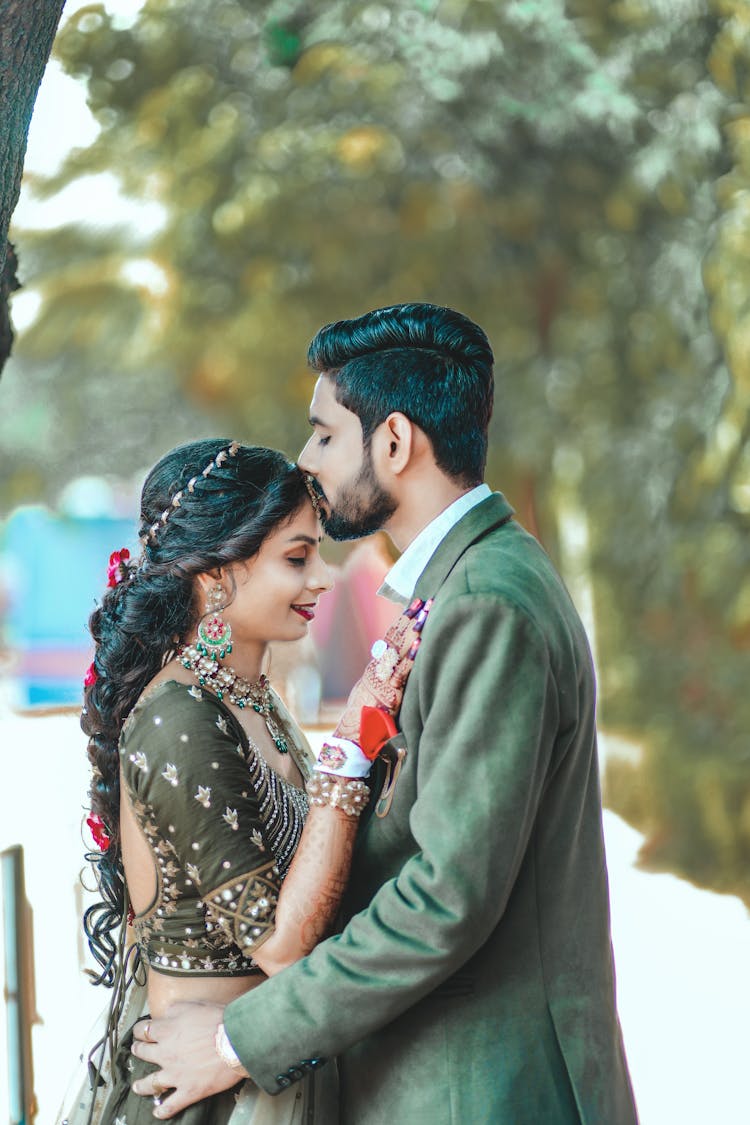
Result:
473,982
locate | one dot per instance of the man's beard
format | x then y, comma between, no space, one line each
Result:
362,507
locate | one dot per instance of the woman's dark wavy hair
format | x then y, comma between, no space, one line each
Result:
430,363
142,621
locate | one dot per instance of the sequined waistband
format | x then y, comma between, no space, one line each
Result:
175,960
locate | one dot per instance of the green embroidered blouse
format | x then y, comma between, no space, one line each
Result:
223,827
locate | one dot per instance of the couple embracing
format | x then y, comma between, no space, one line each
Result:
470,977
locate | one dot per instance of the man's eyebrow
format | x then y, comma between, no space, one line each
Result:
315,421
305,539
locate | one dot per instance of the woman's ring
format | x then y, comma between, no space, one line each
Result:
156,1099
147,1033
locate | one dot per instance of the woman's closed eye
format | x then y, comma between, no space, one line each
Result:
297,560
324,440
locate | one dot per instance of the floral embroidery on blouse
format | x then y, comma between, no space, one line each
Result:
218,872
169,773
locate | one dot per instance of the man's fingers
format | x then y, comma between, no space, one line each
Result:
168,1106
148,1052
145,1031
152,1085
174,1100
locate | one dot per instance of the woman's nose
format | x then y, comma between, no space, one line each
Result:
321,578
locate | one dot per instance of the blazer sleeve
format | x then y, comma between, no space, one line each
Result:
184,765
489,709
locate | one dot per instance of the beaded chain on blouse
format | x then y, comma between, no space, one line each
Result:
283,808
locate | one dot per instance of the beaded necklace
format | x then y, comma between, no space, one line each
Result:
224,681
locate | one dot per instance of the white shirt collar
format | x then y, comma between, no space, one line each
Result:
398,585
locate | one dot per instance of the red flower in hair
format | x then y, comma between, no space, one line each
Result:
98,831
91,676
376,726
116,568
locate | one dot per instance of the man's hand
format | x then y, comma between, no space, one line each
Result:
182,1045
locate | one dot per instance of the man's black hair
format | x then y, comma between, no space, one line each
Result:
430,363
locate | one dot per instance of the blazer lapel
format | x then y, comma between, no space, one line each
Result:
478,522
485,517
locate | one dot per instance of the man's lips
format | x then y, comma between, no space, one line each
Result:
305,611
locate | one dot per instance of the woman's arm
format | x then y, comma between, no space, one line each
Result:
312,891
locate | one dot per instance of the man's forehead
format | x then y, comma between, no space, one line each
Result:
324,389
324,406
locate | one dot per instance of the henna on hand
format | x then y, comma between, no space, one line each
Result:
383,680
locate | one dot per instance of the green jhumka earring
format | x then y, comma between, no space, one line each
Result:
214,633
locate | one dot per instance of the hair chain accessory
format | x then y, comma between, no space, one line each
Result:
214,633
313,493
219,459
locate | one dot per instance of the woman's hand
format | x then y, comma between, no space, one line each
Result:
384,679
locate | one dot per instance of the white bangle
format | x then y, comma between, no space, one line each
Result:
227,1053
343,758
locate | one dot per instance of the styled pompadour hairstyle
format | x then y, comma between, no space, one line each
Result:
430,363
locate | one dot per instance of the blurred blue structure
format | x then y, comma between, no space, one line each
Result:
53,569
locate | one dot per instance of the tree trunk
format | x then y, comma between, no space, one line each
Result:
27,31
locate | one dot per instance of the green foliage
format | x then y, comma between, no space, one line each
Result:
548,168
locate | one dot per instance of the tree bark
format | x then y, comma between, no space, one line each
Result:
27,31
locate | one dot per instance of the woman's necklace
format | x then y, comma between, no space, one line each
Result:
224,681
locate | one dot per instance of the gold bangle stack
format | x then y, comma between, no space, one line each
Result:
350,796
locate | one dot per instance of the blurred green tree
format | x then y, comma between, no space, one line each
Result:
548,168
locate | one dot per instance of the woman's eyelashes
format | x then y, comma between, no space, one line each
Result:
324,440
297,560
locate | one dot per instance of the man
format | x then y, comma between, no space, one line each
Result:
473,981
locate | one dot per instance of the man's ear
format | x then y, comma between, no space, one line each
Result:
396,441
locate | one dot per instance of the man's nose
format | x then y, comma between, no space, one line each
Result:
306,460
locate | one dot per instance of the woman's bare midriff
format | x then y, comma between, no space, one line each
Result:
165,990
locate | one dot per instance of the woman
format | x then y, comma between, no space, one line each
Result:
198,798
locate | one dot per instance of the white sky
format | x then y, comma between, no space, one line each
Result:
61,117
62,121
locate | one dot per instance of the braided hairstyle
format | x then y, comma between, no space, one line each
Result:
428,362
204,505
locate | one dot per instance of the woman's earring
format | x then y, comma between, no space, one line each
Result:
214,633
